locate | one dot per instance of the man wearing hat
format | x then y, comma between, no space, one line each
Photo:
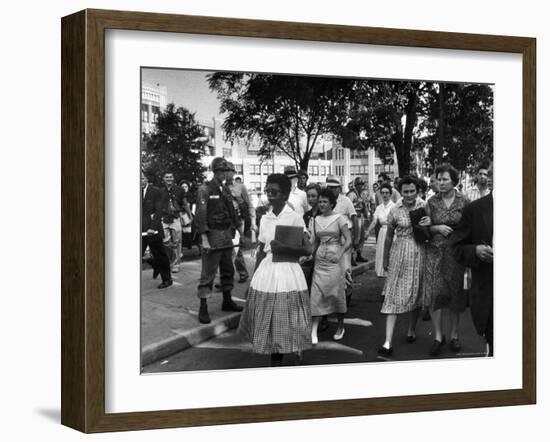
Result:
216,222
297,199
359,199
344,207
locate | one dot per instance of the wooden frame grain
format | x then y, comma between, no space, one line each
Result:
83,218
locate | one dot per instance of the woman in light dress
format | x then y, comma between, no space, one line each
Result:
276,317
331,240
380,217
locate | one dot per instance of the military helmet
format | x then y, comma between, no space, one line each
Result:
218,164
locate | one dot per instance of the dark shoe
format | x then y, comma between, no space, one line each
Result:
455,345
411,339
383,351
243,279
323,325
165,284
361,259
435,349
353,262
204,317
155,273
230,306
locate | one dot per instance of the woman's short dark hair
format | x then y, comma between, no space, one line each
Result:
328,194
313,186
282,180
453,173
387,186
408,179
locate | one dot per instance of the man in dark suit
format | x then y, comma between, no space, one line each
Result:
173,205
472,245
152,232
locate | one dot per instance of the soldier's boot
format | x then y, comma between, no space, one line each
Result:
204,317
228,305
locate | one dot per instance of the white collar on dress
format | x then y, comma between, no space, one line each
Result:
286,209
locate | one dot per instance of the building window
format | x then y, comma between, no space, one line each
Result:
323,170
254,169
145,113
314,170
155,114
239,168
226,152
255,186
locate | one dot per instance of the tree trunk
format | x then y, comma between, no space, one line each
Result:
410,112
441,126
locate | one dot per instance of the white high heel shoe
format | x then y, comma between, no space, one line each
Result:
339,334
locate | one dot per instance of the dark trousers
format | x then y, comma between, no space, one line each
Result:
161,263
221,255
240,264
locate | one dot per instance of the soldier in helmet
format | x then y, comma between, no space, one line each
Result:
216,223
359,199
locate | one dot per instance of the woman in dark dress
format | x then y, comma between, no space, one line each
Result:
444,276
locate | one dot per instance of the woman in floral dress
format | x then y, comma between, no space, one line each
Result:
444,276
404,261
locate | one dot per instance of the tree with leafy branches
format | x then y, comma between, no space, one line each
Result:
176,144
286,112
459,129
384,117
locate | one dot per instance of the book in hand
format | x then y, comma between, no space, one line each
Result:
291,236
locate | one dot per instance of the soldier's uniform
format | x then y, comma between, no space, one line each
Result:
360,205
215,216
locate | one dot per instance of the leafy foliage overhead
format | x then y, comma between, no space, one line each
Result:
176,145
283,112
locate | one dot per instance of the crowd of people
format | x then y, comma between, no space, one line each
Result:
433,248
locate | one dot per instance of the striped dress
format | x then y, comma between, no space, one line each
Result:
277,313
405,272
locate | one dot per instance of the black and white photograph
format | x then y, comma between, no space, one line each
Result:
292,220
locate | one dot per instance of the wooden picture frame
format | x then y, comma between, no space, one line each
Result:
83,219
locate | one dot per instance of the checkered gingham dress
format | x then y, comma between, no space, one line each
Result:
277,314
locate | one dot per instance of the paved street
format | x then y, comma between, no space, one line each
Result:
365,328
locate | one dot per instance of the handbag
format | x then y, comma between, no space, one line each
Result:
421,233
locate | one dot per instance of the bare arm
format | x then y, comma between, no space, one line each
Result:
371,226
347,240
260,255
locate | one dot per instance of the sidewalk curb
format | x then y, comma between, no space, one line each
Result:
184,340
202,332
